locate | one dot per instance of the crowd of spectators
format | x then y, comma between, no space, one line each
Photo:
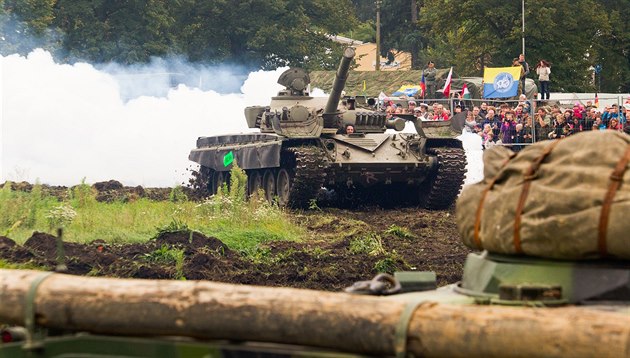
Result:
515,124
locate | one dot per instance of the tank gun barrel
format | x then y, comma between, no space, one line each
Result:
340,80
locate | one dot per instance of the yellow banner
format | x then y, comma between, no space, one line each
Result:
490,73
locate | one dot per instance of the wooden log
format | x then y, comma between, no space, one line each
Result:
340,321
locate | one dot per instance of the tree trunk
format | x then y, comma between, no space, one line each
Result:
360,324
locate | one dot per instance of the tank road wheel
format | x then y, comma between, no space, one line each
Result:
441,189
269,184
254,182
218,178
283,187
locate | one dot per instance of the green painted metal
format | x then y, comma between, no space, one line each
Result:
93,346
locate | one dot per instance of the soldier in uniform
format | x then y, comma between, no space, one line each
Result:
429,77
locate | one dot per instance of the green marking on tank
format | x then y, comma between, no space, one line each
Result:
228,158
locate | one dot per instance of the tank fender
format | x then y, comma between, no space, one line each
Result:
247,156
444,142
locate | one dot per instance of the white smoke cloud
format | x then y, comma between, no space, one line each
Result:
62,123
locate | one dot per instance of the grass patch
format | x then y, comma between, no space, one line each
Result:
24,266
400,232
371,244
240,223
169,256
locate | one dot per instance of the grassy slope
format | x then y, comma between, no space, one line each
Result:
238,223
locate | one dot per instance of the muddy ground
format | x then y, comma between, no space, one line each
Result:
345,246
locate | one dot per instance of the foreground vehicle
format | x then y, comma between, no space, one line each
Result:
505,306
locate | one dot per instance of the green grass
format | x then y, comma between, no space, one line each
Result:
241,224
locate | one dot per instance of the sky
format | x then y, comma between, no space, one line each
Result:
62,124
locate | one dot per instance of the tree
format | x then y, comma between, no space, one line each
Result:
400,29
263,33
24,25
480,33
104,31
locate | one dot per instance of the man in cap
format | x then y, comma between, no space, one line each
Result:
430,74
411,105
422,112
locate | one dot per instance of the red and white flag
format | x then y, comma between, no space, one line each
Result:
447,84
465,92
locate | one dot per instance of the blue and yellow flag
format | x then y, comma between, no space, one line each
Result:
501,82
407,90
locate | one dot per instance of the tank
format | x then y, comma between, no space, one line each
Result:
505,306
302,146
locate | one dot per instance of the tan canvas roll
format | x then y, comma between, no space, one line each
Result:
564,199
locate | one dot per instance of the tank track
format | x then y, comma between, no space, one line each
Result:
445,184
309,174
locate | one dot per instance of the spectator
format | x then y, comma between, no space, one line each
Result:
486,136
494,122
411,105
558,129
508,128
440,114
477,114
471,124
524,103
430,74
424,112
589,120
349,129
623,115
483,110
543,69
614,124
525,72
542,124
519,137
528,135
521,88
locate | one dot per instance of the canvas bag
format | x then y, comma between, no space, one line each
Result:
561,199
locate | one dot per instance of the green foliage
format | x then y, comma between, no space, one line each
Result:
82,195
172,227
168,255
465,36
60,216
312,205
399,232
241,224
20,266
387,264
177,194
371,244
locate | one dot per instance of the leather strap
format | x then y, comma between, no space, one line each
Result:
402,328
477,228
530,174
616,179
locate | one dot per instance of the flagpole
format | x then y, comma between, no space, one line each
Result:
523,22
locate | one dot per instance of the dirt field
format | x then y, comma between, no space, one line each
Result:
345,246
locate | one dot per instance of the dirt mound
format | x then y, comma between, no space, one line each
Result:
107,185
345,247
191,241
6,243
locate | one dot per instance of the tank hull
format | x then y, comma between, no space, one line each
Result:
347,164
